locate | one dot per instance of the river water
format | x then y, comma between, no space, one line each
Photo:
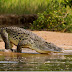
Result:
35,62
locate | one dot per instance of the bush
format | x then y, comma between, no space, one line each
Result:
68,3
55,18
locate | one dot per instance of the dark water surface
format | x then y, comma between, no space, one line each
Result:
35,62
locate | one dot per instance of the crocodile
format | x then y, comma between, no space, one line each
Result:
26,39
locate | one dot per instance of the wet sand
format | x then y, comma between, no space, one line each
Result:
63,40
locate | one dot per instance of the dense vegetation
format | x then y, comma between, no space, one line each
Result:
55,15
55,18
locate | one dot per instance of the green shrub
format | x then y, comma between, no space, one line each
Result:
68,3
55,18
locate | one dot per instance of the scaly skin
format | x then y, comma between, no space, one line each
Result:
26,39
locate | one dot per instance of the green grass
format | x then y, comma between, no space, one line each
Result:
23,6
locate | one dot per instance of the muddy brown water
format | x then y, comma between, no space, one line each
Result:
35,62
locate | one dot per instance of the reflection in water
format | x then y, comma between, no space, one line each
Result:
34,62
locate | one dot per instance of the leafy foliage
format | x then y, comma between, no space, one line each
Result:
68,3
55,18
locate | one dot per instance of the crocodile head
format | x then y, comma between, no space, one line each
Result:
48,47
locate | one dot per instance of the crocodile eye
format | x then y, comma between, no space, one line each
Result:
46,42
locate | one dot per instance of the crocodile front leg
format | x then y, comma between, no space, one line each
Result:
5,38
19,48
22,44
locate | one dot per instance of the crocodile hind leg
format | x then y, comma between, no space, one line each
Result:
5,38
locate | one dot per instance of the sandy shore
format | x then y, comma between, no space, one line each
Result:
63,40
